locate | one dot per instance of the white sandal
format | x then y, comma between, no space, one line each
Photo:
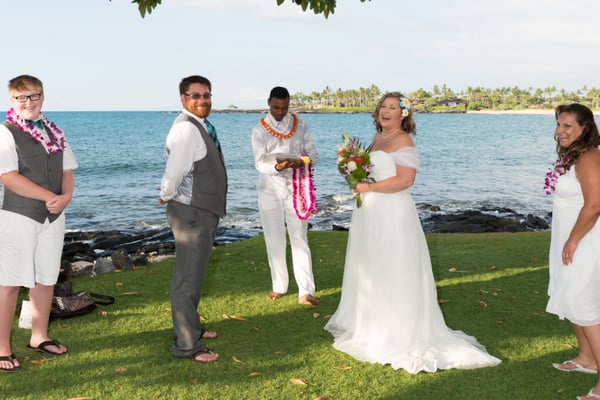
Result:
576,367
589,394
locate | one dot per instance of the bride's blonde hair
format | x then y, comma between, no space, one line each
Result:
408,124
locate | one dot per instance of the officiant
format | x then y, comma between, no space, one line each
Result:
284,154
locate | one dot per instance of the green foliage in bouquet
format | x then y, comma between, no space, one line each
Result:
354,163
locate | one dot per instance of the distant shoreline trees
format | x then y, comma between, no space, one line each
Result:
443,99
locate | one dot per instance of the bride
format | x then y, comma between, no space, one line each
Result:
388,311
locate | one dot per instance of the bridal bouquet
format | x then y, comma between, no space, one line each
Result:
354,163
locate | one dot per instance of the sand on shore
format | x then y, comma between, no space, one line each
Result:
526,112
530,112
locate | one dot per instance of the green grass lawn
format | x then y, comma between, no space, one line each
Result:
492,286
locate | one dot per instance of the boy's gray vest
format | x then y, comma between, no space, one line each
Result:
42,168
209,188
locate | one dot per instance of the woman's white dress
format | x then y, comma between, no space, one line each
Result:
574,290
388,311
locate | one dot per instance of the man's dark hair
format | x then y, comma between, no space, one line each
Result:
186,82
279,92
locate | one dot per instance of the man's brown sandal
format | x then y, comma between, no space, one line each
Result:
206,334
206,356
11,359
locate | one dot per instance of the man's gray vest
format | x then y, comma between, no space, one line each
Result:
209,188
42,168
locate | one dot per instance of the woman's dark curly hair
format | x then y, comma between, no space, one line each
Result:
589,137
408,123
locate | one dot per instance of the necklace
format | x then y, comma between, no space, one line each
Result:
36,134
390,134
278,134
303,190
560,168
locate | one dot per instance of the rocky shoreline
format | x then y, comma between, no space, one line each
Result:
91,253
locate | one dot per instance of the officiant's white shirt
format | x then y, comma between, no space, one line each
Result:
270,180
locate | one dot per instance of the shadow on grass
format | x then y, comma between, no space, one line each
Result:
126,353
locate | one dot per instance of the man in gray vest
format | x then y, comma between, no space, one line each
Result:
194,187
36,166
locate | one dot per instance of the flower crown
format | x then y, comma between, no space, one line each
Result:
405,106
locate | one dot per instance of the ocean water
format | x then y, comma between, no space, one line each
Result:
468,161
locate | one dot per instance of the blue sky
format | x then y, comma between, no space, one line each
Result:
101,55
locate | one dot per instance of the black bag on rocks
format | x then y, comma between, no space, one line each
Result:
66,304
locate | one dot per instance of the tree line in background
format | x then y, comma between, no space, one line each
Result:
444,99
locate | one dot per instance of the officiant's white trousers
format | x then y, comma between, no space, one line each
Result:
275,214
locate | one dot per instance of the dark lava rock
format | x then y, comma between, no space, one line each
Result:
472,221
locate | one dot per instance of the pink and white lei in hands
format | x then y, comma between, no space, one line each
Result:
36,134
303,190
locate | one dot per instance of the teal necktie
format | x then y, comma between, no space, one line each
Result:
212,132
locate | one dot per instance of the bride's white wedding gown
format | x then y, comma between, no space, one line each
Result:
388,311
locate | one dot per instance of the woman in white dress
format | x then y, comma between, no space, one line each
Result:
388,312
574,287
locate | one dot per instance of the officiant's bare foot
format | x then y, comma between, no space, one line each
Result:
274,296
309,300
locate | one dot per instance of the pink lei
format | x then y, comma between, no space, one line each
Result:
560,168
36,134
305,202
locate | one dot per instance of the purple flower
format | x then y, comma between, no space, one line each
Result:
560,168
